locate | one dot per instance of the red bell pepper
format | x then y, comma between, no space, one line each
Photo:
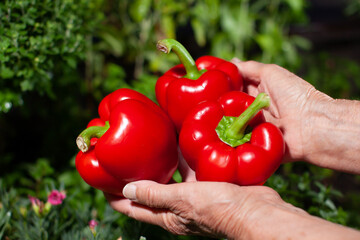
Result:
228,140
90,170
138,141
189,83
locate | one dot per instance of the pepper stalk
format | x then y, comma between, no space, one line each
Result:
166,45
232,130
83,141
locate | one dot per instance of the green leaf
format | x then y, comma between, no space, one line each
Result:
115,43
5,217
213,10
168,25
6,72
4,44
41,169
115,78
296,5
139,9
330,204
27,85
237,16
4,58
71,62
301,42
177,176
199,30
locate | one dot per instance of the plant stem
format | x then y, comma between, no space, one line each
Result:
83,141
166,45
237,128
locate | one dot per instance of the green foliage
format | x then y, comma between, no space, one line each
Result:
353,7
59,58
259,30
307,193
64,221
70,220
241,28
336,76
37,40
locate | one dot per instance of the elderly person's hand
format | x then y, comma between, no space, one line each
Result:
205,208
223,210
317,128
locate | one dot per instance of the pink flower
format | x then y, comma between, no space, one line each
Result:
56,197
34,201
37,205
93,223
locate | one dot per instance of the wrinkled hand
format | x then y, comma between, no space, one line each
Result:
201,208
291,101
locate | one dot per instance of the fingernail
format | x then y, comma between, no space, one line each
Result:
235,59
129,191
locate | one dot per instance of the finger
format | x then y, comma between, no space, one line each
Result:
250,70
121,205
187,174
139,212
251,89
270,117
153,194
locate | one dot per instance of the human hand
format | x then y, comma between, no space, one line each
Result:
201,208
291,101
187,174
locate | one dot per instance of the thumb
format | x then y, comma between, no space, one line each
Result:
250,70
150,193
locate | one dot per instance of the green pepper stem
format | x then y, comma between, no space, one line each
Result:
83,141
237,128
166,45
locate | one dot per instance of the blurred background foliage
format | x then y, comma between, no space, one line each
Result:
59,58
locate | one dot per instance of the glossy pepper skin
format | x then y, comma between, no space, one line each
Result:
90,170
138,140
251,162
190,83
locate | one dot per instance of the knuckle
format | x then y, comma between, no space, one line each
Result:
251,64
275,71
177,225
150,196
267,68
